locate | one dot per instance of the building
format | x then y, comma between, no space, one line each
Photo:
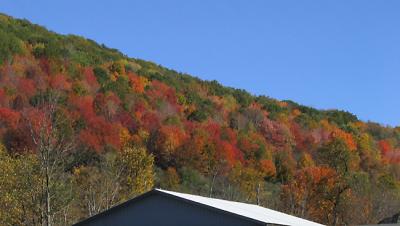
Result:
389,221
167,208
381,225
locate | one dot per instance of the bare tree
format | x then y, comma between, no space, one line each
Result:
92,197
46,124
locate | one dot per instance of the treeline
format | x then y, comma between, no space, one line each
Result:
83,128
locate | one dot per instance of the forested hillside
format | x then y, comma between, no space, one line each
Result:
83,127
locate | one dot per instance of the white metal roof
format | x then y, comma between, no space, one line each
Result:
247,210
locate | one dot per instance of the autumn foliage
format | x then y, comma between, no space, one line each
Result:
205,138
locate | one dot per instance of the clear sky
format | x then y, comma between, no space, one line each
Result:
342,54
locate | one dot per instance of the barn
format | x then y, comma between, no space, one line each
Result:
166,208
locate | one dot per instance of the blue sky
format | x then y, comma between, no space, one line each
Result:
342,54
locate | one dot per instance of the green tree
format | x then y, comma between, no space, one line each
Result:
249,181
9,45
101,75
285,166
20,189
137,170
338,156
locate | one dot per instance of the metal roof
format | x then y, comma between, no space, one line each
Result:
393,224
251,211
248,211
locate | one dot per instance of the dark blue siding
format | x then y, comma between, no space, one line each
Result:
159,210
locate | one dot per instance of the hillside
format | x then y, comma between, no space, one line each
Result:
84,127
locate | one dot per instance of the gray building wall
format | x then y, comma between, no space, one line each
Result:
160,210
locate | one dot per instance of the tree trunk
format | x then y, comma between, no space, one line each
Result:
212,185
258,193
48,201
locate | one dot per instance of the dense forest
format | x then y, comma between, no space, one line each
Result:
84,127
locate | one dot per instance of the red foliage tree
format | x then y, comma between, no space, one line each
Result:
160,90
60,82
267,167
99,134
137,83
9,118
26,87
166,142
91,79
347,137
84,106
385,147
308,194
107,104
